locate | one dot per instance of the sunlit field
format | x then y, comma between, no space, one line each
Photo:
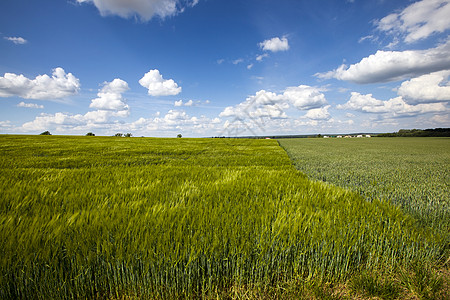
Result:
413,173
125,218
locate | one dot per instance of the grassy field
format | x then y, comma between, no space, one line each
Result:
413,173
123,218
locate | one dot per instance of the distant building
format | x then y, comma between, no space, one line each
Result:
339,136
368,136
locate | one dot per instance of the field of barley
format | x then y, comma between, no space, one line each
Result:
144,218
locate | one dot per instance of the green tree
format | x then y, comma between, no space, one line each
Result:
90,134
179,135
46,133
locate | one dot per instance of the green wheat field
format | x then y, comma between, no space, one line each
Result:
152,218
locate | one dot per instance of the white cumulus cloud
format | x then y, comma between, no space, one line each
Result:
110,96
109,105
266,104
16,40
173,122
428,88
385,66
29,105
190,103
262,104
157,85
418,21
237,61
319,113
43,87
395,107
261,57
103,116
65,122
275,44
144,9
304,97
5,125
175,116
49,121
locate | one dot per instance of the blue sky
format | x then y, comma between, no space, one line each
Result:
223,67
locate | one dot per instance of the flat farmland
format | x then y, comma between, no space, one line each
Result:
144,218
413,173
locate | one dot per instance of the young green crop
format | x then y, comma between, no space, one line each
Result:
411,172
97,217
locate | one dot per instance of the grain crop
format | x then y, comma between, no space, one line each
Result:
119,218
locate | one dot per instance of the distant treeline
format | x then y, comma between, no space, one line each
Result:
437,132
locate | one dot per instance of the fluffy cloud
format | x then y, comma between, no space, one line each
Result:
262,104
327,125
103,116
16,40
237,61
67,122
109,105
110,96
395,107
174,117
105,121
5,125
48,121
428,88
304,97
190,103
418,21
144,9
261,57
385,66
441,119
319,113
275,44
43,87
157,85
175,121
266,104
29,105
